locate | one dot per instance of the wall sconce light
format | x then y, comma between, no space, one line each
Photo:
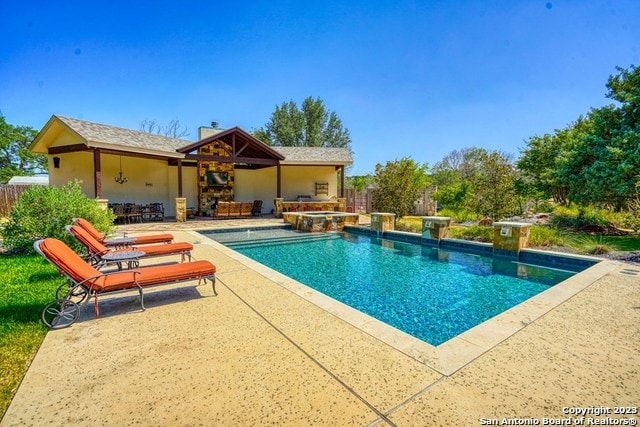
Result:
56,162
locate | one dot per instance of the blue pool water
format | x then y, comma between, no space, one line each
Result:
430,293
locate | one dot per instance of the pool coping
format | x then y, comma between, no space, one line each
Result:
454,354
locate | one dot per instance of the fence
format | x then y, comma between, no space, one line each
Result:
361,202
8,196
358,202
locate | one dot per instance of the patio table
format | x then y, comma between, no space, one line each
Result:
132,258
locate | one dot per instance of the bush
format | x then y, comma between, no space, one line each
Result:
473,232
44,211
412,224
459,215
586,217
542,237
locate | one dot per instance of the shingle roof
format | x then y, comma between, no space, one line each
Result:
105,136
99,133
315,155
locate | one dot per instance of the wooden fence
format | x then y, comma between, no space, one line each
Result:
8,196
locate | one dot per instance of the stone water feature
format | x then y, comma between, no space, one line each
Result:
316,221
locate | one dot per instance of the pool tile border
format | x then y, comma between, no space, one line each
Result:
452,355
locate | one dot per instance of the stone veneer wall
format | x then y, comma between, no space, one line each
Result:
207,195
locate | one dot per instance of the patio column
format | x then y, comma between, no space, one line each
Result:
342,181
278,181
97,174
179,178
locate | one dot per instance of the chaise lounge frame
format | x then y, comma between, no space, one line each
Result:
85,282
97,251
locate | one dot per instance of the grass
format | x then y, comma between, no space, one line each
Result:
28,284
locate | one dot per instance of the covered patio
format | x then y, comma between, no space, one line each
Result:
122,166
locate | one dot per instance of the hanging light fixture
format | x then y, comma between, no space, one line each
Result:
120,179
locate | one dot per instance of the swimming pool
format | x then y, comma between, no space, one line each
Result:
429,293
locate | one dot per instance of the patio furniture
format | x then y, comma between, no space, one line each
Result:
85,282
124,241
256,209
133,212
154,212
222,210
119,212
234,209
245,209
97,251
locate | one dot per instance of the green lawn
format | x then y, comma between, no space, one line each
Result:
27,284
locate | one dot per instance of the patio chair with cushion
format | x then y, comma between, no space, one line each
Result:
245,209
100,255
124,241
85,282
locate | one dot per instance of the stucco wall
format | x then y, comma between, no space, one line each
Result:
78,165
300,180
148,180
259,184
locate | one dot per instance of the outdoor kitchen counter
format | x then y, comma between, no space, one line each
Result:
296,206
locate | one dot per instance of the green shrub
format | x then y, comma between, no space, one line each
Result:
473,232
586,216
459,216
44,211
412,224
542,237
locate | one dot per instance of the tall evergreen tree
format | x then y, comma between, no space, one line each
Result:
309,126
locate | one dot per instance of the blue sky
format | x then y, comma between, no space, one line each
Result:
407,78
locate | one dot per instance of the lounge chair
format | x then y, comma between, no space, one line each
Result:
100,255
126,240
85,282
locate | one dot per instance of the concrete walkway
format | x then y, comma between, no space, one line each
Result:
265,352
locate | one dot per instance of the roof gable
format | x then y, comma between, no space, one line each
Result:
242,144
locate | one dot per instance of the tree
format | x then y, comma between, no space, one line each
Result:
173,129
596,159
15,157
605,159
398,186
309,126
542,162
358,182
494,186
452,177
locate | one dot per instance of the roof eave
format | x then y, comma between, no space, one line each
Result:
137,150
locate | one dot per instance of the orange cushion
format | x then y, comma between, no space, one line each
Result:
67,260
89,228
155,275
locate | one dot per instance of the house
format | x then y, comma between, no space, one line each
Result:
123,165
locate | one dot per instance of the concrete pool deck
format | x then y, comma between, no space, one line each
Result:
264,353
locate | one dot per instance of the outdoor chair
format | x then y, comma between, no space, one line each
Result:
99,255
85,282
256,209
124,241
222,209
245,209
234,209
